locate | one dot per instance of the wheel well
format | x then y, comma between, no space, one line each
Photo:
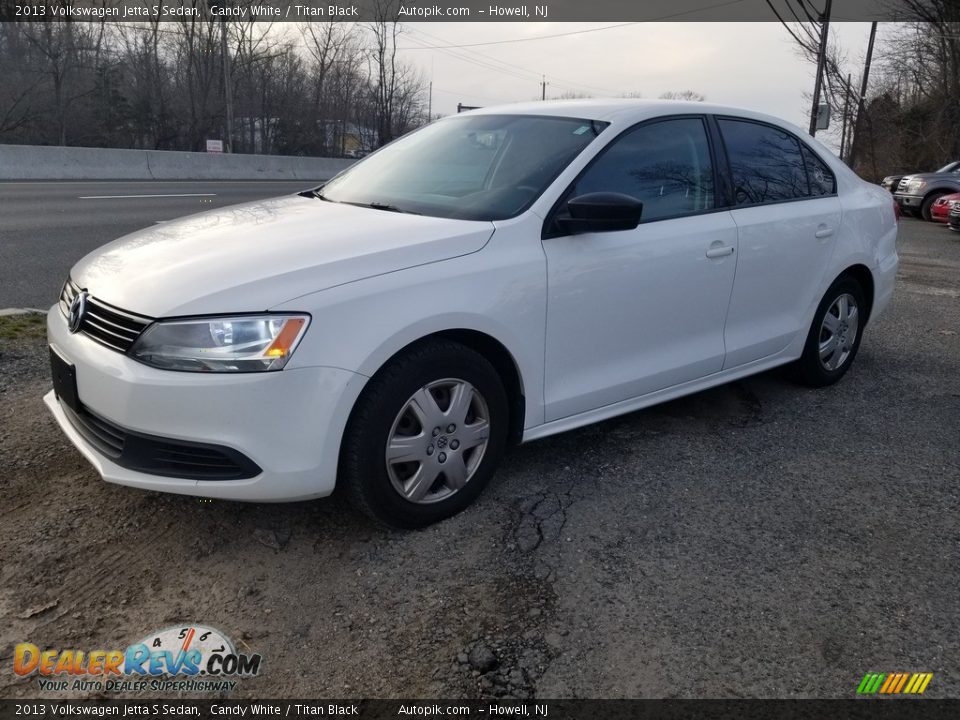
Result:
501,359
862,274
935,193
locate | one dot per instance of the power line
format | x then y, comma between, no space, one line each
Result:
565,83
515,73
530,39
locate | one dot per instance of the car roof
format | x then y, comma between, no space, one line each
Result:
618,109
627,111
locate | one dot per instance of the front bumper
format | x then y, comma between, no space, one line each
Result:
908,201
289,423
939,214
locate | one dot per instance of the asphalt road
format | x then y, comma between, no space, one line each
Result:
45,227
759,539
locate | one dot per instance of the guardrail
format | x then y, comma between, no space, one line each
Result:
39,162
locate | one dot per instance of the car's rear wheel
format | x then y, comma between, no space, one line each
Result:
835,334
425,436
926,209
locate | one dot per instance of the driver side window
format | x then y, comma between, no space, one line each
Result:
665,165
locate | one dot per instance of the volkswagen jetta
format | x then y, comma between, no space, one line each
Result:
494,277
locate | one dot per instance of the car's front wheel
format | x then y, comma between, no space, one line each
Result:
425,436
835,334
926,210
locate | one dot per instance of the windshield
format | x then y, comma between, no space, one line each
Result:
483,167
950,167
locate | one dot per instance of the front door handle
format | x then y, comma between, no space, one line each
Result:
823,232
720,251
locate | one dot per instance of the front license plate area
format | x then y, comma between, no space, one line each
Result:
64,381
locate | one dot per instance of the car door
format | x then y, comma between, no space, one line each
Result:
787,214
634,311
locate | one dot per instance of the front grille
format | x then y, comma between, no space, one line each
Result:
158,455
108,325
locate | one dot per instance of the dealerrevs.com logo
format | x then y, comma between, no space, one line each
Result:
181,658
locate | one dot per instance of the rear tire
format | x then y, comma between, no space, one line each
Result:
834,336
425,436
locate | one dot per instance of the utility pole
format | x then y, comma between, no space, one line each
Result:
846,110
227,88
543,88
863,97
821,61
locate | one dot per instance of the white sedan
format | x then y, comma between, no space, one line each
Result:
495,277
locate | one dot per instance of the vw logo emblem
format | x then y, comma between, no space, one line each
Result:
78,308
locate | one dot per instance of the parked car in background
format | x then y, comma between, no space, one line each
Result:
953,219
497,276
940,212
891,182
917,193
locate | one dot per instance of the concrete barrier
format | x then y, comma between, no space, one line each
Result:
39,162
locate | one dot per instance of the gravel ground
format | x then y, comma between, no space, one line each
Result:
756,540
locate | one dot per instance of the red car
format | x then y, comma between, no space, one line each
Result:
940,210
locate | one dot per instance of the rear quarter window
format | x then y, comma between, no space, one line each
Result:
821,178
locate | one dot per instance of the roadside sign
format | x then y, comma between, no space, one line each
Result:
214,146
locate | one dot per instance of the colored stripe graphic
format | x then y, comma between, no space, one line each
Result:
891,680
894,683
870,683
915,681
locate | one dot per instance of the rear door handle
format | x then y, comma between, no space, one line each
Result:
722,251
823,231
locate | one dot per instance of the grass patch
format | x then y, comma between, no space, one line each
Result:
31,326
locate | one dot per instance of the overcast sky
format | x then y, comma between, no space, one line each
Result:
753,65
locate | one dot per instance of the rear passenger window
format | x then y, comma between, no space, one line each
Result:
766,163
665,165
820,176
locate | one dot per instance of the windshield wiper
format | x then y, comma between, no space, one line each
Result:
316,194
383,206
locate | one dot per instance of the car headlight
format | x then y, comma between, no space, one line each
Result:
915,185
246,343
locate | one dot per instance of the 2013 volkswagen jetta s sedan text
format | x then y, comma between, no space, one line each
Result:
494,277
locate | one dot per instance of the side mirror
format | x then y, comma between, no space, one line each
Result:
601,212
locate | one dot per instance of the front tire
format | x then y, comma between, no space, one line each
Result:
926,209
425,436
835,334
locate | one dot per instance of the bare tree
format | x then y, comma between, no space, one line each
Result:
165,86
67,51
683,95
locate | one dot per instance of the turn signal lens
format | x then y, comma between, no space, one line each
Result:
287,339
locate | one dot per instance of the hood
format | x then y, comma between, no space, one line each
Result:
934,176
251,257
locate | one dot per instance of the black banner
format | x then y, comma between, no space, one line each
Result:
446,10
857,709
